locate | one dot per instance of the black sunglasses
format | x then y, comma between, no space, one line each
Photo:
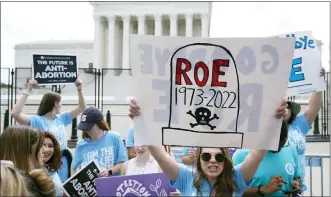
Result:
219,157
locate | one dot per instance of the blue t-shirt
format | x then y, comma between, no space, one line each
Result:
285,163
107,152
57,126
298,130
185,178
129,139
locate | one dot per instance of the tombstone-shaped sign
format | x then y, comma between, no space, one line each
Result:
202,90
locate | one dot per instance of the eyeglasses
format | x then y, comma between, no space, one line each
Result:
219,157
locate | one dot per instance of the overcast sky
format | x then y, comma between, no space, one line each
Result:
28,22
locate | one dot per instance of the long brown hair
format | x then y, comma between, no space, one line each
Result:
102,124
16,145
54,163
225,185
47,103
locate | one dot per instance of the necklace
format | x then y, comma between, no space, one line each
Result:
149,161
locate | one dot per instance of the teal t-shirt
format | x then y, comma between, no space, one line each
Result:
297,132
185,178
285,163
107,152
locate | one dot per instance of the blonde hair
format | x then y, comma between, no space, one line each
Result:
12,182
16,145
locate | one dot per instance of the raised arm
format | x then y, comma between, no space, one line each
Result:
314,105
168,165
81,101
16,113
254,158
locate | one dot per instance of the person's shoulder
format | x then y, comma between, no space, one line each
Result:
81,142
113,135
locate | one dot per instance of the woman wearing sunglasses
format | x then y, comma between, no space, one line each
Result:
214,173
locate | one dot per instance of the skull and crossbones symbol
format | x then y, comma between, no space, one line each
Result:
202,116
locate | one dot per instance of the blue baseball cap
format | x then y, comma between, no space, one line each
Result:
89,118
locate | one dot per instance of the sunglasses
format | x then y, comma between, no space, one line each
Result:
219,157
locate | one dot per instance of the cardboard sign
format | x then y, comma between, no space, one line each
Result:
83,182
306,64
209,92
156,184
54,69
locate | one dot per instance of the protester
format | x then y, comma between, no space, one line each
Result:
52,160
23,145
188,156
215,174
16,182
129,144
300,125
282,178
99,144
50,119
143,163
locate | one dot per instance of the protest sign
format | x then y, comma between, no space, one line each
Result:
209,92
83,182
306,64
156,184
54,69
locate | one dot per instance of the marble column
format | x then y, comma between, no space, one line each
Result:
98,45
173,25
189,25
141,25
158,25
204,25
126,50
111,41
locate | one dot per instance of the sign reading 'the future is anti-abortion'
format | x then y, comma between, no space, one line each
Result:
209,92
54,69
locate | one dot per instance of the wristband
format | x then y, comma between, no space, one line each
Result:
79,90
258,191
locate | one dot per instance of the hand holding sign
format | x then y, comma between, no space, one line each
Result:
78,84
32,84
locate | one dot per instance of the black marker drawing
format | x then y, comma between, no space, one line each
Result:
202,116
189,94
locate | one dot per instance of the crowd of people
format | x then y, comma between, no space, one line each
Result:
35,158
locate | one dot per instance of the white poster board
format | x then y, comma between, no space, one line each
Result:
187,89
306,64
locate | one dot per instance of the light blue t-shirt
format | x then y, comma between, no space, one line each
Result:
298,130
285,163
185,178
107,152
57,126
57,183
129,139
